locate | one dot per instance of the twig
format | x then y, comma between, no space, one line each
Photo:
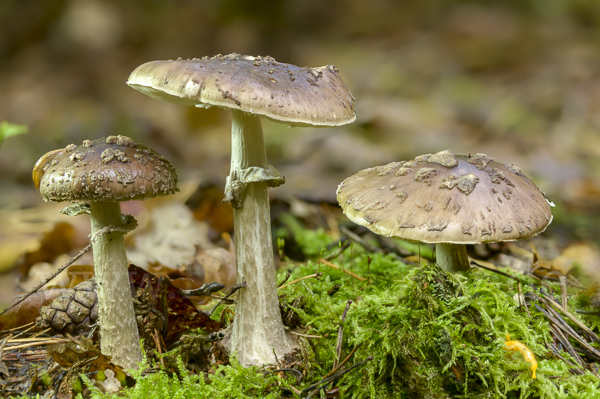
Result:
53,275
567,345
339,366
157,342
473,263
48,342
567,329
572,318
285,369
317,386
305,335
327,263
359,240
105,230
563,291
521,296
556,353
338,251
234,289
287,277
340,335
300,279
204,290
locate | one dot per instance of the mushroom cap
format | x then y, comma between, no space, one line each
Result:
257,85
446,198
110,169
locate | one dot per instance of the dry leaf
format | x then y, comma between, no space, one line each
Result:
172,239
218,265
583,255
27,311
56,242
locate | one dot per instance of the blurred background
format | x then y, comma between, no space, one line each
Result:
516,79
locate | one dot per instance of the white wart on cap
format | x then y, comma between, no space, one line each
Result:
446,198
256,85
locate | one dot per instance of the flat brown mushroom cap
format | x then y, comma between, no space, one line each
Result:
105,170
446,198
257,85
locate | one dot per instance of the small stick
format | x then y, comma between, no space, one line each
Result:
567,329
563,291
49,342
287,277
234,289
359,240
565,342
105,230
338,345
522,296
300,279
157,342
317,386
204,290
556,353
75,340
572,317
342,362
305,335
23,326
588,353
327,263
338,251
494,270
43,283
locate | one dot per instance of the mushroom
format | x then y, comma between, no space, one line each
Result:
252,87
446,199
103,173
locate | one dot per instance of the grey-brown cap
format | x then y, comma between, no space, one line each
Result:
110,169
257,85
446,198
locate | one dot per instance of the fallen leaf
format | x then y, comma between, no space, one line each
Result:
27,311
56,242
172,239
182,313
582,255
218,265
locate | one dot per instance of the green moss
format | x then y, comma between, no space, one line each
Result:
430,335
233,381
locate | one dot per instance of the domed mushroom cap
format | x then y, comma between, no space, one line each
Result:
257,85
446,198
105,170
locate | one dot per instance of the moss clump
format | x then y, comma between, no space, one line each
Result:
431,335
232,381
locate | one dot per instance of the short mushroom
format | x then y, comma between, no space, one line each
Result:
252,87
103,173
446,199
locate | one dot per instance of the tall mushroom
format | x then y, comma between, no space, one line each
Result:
103,173
252,87
446,199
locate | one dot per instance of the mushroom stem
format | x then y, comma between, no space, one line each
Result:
452,257
119,337
257,329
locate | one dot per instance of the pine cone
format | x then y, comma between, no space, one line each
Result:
73,311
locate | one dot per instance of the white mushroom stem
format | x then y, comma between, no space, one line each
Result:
452,257
257,330
119,337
